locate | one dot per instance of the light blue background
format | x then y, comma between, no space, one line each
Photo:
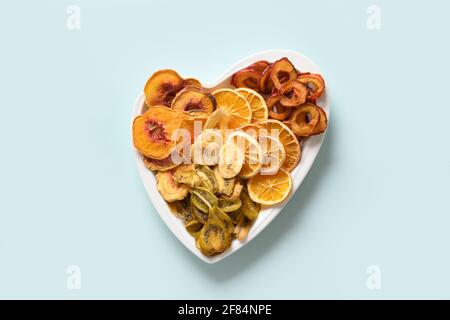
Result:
70,192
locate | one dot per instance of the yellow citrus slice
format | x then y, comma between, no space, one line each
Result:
290,142
270,189
235,106
252,151
257,104
252,129
274,154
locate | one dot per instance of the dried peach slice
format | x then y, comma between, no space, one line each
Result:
246,78
195,101
169,189
160,164
152,131
314,83
281,71
304,119
192,82
162,87
293,93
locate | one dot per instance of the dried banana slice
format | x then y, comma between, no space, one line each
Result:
230,205
231,160
203,199
169,189
207,177
249,208
186,174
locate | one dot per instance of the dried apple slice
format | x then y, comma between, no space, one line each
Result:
246,78
304,120
162,87
314,83
265,83
195,101
322,124
281,71
152,131
293,93
259,66
276,109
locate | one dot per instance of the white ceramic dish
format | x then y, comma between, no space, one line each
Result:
310,150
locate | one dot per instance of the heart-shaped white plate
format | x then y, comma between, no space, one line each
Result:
310,149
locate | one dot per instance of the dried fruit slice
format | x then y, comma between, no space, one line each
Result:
304,119
246,78
314,83
323,122
168,188
203,199
290,142
230,205
186,174
195,101
192,82
218,119
206,147
183,209
259,66
231,160
160,164
265,83
270,190
281,71
224,186
152,131
293,93
252,151
274,154
235,106
194,227
162,87
252,129
249,208
276,109
257,104
237,190
242,228
215,236
208,178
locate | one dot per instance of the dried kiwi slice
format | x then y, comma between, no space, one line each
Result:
184,210
194,227
203,199
249,208
224,186
200,215
230,205
207,177
242,228
216,235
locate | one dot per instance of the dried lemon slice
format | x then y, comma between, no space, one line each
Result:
235,106
257,104
253,153
270,190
